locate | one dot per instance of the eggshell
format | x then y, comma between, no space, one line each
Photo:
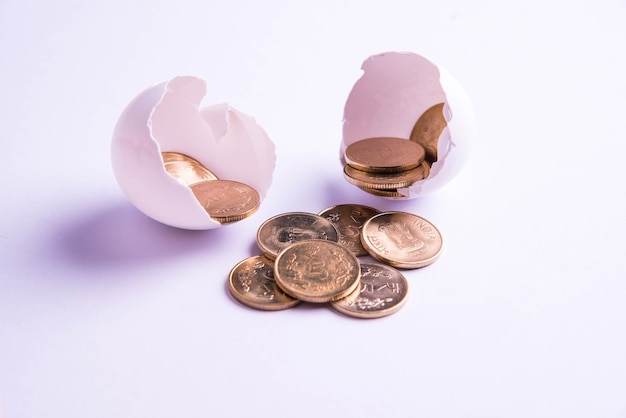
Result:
168,117
396,88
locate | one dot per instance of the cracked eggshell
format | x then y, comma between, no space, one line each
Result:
396,88
168,117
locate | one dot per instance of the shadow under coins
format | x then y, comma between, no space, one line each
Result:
120,235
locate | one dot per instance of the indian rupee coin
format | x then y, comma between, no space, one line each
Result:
382,291
317,271
226,201
278,232
384,154
252,283
428,129
185,169
349,219
383,181
402,240
390,193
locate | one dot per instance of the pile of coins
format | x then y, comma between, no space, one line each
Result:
383,166
314,258
225,201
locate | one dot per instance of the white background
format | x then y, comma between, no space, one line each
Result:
106,313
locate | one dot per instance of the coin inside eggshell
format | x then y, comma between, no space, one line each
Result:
226,201
384,155
168,118
405,95
428,130
185,169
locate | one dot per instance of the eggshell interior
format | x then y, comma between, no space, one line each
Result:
168,117
396,88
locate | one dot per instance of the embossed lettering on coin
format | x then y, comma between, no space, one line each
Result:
317,271
252,283
383,291
385,154
225,200
280,231
402,239
349,219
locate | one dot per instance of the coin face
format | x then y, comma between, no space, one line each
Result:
225,200
317,271
252,283
427,130
401,239
349,219
278,232
383,181
185,169
384,154
382,291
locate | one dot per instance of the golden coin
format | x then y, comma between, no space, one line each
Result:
169,157
382,181
349,219
383,290
317,271
392,193
427,130
185,169
278,232
426,167
384,155
252,283
401,239
225,200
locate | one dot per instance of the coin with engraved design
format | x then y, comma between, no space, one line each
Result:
382,291
349,219
225,200
278,232
252,283
317,271
402,240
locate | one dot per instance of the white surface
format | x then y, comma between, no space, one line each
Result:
105,313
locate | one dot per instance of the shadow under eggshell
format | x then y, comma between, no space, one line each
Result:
167,117
396,88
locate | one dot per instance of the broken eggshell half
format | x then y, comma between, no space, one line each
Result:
401,94
167,117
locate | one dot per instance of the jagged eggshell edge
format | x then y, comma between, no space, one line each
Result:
168,117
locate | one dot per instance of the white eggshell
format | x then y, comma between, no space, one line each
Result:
396,88
168,117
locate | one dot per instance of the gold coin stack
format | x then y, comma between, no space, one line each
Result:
383,166
313,258
225,201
